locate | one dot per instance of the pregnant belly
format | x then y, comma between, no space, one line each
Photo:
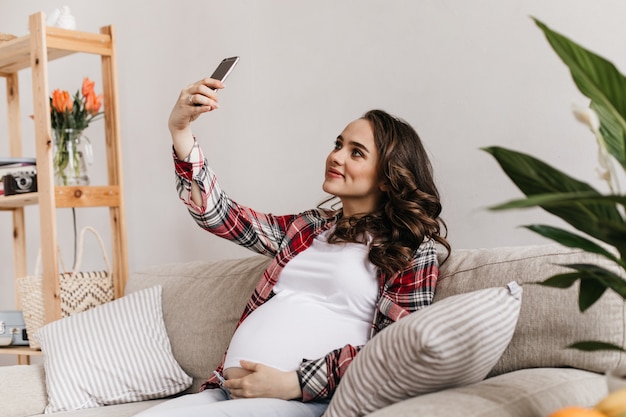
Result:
291,327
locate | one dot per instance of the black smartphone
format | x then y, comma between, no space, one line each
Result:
224,68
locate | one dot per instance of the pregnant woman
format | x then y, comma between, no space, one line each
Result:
337,277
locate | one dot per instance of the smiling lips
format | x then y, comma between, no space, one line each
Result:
333,173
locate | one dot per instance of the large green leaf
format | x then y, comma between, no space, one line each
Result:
614,234
565,280
594,281
534,177
601,82
613,133
590,346
572,240
612,231
560,199
590,291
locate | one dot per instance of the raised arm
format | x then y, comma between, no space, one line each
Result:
194,100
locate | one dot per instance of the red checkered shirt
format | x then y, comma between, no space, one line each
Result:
282,238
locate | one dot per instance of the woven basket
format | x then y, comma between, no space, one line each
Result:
80,291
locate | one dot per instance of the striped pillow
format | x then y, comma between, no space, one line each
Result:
116,353
453,342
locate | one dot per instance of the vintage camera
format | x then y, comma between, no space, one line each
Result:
12,328
20,182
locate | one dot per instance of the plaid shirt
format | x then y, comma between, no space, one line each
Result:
282,238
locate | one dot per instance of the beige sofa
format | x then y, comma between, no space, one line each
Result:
535,375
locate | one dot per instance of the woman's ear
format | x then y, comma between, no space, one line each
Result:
384,187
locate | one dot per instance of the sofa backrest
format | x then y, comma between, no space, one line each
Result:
202,303
203,300
549,319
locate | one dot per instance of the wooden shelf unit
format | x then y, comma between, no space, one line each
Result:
34,51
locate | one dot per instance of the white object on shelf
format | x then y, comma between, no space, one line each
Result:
62,18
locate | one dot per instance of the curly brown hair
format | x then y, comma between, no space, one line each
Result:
409,210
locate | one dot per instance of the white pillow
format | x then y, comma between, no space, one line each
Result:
116,353
453,342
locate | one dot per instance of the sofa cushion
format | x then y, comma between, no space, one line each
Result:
524,393
451,343
118,410
22,390
115,353
202,303
549,319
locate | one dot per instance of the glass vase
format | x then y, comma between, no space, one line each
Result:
72,154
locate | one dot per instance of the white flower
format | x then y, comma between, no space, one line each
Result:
587,116
606,170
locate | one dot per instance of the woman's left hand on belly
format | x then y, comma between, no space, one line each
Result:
264,382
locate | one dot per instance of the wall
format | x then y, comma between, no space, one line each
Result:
466,74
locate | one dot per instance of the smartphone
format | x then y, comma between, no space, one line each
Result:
224,68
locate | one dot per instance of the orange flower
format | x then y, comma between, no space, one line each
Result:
88,87
93,103
77,111
62,101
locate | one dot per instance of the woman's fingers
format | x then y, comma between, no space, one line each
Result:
204,93
195,99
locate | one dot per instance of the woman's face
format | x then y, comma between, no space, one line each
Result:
352,169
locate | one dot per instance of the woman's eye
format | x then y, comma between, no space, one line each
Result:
337,145
357,152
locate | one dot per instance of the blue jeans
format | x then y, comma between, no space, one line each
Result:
216,403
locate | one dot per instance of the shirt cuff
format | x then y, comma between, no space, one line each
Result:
189,167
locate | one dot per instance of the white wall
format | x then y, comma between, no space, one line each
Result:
466,74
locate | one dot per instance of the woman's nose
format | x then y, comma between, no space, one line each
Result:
337,157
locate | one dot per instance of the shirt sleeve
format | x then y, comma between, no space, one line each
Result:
218,214
319,378
405,292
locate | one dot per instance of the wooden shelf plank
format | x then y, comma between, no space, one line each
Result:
95,196
66,197
19,200
20,350
75,41
15,54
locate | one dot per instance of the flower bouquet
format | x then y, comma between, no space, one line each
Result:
70,116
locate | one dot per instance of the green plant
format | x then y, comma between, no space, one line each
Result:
600,217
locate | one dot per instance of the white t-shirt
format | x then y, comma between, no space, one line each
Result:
325,299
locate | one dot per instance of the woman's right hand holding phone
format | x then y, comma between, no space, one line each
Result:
194,100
